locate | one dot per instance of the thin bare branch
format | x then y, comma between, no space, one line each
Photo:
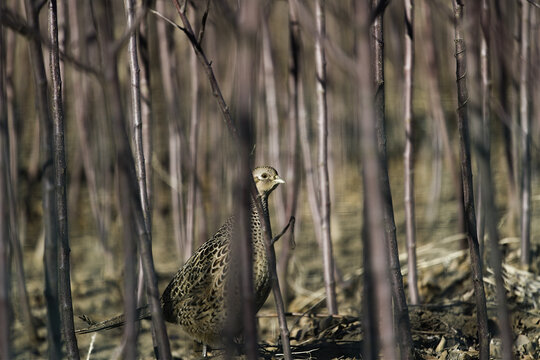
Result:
66,306
324,187
290,224
466,175
525,120
379,327
128,187
50,221
203,23
401,312
5,318
208,69
408,153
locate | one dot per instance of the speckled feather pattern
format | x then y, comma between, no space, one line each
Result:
197,295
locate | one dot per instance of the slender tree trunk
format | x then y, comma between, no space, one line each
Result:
128,187
515,114
409,152
146,106
320,64
130,303
5,305
495,257
466,173
193,189
136,113
5,318
139,137
400,303
66,305
146,125
49,213
524,112
303,128
62,31
374,235
535,78
10,42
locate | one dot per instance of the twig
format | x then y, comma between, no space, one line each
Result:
163,17
209,72
304,314
324,181
291,223
323,299
50,218
64,278
132,216
466,177
5,214
129,345
203,23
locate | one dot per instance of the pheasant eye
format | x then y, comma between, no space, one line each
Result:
264,175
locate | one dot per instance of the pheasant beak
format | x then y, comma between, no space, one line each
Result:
279,180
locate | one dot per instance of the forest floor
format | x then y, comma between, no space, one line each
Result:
444,327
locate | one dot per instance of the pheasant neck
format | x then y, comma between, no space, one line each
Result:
256,220
264,202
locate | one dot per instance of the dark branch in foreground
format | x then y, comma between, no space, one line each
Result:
64,277
466,176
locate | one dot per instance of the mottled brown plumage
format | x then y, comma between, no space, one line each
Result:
196,297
